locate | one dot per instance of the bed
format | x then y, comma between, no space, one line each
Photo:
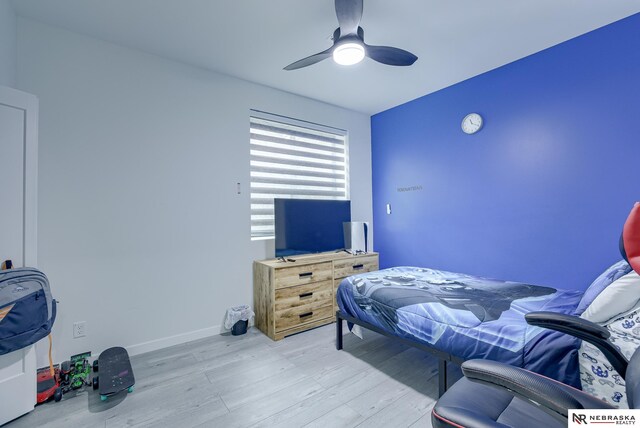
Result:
459,317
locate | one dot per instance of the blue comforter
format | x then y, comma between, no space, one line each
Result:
467,316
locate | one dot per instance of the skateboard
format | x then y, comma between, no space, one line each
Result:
114,373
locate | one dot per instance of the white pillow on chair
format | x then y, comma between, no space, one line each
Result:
620,297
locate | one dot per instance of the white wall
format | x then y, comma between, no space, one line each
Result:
141,231
7,44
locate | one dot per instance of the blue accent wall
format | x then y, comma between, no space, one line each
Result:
540,194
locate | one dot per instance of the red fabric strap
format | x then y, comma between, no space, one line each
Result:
631,237
445,420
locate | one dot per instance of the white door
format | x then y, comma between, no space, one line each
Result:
18,176
11,184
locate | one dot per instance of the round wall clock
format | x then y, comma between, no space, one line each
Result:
472,123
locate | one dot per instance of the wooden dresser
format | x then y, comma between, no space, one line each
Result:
290,297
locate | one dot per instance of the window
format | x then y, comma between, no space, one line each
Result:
291,159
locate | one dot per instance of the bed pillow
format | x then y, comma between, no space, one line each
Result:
620,297
616,271
597,376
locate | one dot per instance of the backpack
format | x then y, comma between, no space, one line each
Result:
27,309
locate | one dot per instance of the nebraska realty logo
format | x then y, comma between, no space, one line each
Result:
581,418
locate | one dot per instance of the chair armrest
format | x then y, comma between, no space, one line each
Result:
549,395
582,329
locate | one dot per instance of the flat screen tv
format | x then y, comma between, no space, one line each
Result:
309,225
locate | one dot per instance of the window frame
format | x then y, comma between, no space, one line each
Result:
305,125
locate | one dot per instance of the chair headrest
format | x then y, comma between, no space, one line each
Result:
630,238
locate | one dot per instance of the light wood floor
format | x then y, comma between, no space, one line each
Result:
251,381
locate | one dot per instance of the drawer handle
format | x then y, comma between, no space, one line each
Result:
304,295
305,274
308,314
360,266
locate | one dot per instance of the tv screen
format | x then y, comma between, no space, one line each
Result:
309,225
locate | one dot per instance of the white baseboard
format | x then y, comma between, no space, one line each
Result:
178,339
42,346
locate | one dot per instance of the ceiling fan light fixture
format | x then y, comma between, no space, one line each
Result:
348,42
349,53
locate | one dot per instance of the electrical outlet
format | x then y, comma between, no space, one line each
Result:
79,329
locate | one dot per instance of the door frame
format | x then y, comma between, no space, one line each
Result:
28,104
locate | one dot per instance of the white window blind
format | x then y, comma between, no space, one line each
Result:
293,161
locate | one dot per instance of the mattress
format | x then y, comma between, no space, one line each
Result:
467,316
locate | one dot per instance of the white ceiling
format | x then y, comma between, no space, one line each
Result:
255,39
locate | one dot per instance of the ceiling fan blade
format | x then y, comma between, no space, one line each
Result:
390,56
349,14
310,60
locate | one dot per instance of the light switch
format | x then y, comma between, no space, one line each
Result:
388,208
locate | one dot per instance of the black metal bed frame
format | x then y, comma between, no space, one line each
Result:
443,357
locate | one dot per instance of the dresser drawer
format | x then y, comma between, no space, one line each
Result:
348,267
300,315
303,295
305,274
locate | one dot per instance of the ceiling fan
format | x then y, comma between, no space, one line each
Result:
348,42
